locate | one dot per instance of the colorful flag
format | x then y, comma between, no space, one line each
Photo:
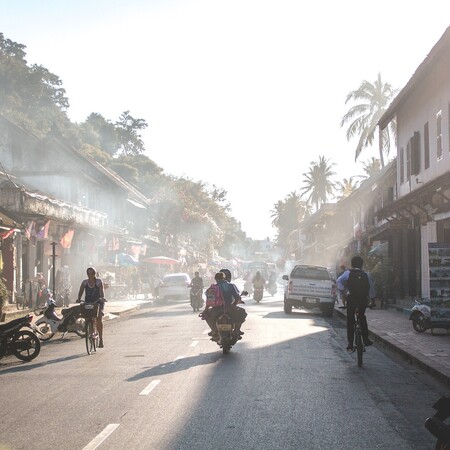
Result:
66,240
30,232
42,232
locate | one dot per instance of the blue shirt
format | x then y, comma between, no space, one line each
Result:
344,278
229,292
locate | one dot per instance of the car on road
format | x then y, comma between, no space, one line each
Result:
310,287
175,285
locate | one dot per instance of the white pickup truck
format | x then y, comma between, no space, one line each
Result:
310,287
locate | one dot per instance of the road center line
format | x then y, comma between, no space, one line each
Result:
150,387
194,343
101,437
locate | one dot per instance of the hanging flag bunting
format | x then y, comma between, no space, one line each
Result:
66,240
7,233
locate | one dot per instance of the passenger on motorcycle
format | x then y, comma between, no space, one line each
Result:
239,313
231,297
93,289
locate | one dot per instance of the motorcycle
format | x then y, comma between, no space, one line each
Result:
436,425
17,341
50,322
196,296
258,294
225,327
426,316
272,288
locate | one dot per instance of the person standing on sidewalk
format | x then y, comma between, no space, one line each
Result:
359,287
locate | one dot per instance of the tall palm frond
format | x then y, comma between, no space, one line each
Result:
374,99
317,182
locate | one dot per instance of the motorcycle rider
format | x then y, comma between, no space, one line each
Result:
272,278
196,285
93,288
197,281
258,281
231,297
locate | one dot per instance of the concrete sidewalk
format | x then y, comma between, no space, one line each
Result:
392,329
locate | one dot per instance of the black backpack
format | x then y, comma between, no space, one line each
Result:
358,287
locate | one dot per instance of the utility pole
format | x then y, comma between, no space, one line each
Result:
54,244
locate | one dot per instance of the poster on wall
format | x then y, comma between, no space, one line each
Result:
439,259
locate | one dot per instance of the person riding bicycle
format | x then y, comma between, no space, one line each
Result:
359,287
93,289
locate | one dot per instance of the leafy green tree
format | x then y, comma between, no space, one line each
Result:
128,137
31,96
372,101
318,183
100,132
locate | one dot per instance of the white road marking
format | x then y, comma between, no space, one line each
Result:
193,343
176,359
150,387
101,437
206,331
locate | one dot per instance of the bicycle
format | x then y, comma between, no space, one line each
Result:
90,312
358,340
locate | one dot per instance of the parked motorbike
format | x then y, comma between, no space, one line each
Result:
196,295
426,315
272,288
258,293
436,425
17,341
71,321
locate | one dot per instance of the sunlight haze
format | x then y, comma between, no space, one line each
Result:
241,94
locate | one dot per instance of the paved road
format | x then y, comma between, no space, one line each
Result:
160,383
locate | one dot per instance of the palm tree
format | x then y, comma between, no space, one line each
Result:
318,182
373,101
371,167
346,187
287,215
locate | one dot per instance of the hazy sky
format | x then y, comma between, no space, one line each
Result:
243,94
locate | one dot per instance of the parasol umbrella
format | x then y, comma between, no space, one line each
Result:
161,260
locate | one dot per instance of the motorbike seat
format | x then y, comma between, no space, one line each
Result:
70,310
4,327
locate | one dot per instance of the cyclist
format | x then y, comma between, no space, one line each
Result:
359,286
93,288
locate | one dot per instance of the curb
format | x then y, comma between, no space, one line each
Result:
428,365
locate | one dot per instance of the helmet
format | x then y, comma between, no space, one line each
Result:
227,274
